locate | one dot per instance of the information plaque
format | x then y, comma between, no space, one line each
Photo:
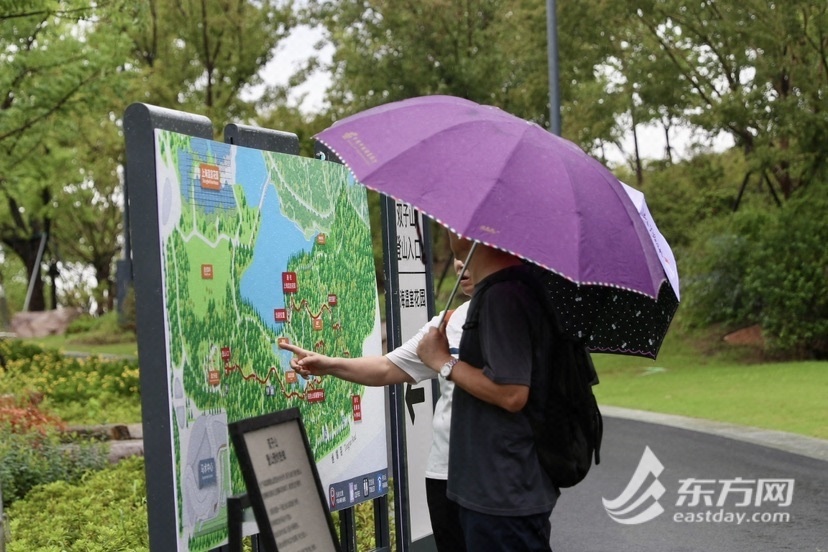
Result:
283,484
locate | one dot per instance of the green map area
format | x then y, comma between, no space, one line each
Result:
256,247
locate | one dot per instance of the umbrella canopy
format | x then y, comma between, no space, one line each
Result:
665,254
495,178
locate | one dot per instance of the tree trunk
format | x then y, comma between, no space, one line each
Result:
639,171
27,251
106,287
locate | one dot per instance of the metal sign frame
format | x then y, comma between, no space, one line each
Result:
140,122
278,425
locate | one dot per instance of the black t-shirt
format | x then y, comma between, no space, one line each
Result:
493,466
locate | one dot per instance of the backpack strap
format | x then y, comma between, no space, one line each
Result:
578,354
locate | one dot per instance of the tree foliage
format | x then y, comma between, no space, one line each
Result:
489,51
788,276
757,70
753,69
56,62
200,55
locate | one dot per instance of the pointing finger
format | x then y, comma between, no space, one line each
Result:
291,347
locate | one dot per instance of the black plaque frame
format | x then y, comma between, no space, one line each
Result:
238,431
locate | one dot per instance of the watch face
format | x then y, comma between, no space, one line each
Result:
445,371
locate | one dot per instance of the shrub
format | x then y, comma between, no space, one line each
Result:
14,349
79,390
105,511
789,275
34,458
99,330
82,324
714,272
766,267
24,416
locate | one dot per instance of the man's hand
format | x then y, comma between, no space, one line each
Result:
433,349
307,363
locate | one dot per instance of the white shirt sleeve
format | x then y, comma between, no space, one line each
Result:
405,356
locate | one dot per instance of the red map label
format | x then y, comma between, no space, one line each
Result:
289,284
316,395
356,402
210,177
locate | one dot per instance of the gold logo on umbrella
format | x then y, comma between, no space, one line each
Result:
352,138
489,229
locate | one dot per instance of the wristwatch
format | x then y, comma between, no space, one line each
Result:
445,371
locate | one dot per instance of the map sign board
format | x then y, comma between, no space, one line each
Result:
258,247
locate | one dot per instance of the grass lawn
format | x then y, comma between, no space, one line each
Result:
70,344
720,386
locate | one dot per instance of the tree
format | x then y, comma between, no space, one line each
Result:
755,69
200,56
489,51
69,69
594,89
54,62
88,226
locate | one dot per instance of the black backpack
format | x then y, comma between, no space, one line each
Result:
569,428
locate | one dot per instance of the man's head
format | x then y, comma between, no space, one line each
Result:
485,260
459,246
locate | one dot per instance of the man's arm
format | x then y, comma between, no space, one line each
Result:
433,351
509,397
373,371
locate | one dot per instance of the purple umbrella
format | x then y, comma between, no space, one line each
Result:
497,179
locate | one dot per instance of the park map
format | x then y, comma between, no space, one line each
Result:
259,247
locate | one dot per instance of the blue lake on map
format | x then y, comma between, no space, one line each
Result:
278,238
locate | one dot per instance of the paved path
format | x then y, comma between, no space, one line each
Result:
708,458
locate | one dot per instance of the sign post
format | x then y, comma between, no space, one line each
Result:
409,306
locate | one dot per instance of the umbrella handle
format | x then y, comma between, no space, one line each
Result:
442,320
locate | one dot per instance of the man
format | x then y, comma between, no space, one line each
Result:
504,495
402,365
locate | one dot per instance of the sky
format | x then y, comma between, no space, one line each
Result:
290,54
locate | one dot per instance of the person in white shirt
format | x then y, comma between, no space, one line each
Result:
402,365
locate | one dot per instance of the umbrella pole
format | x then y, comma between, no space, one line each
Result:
457,285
